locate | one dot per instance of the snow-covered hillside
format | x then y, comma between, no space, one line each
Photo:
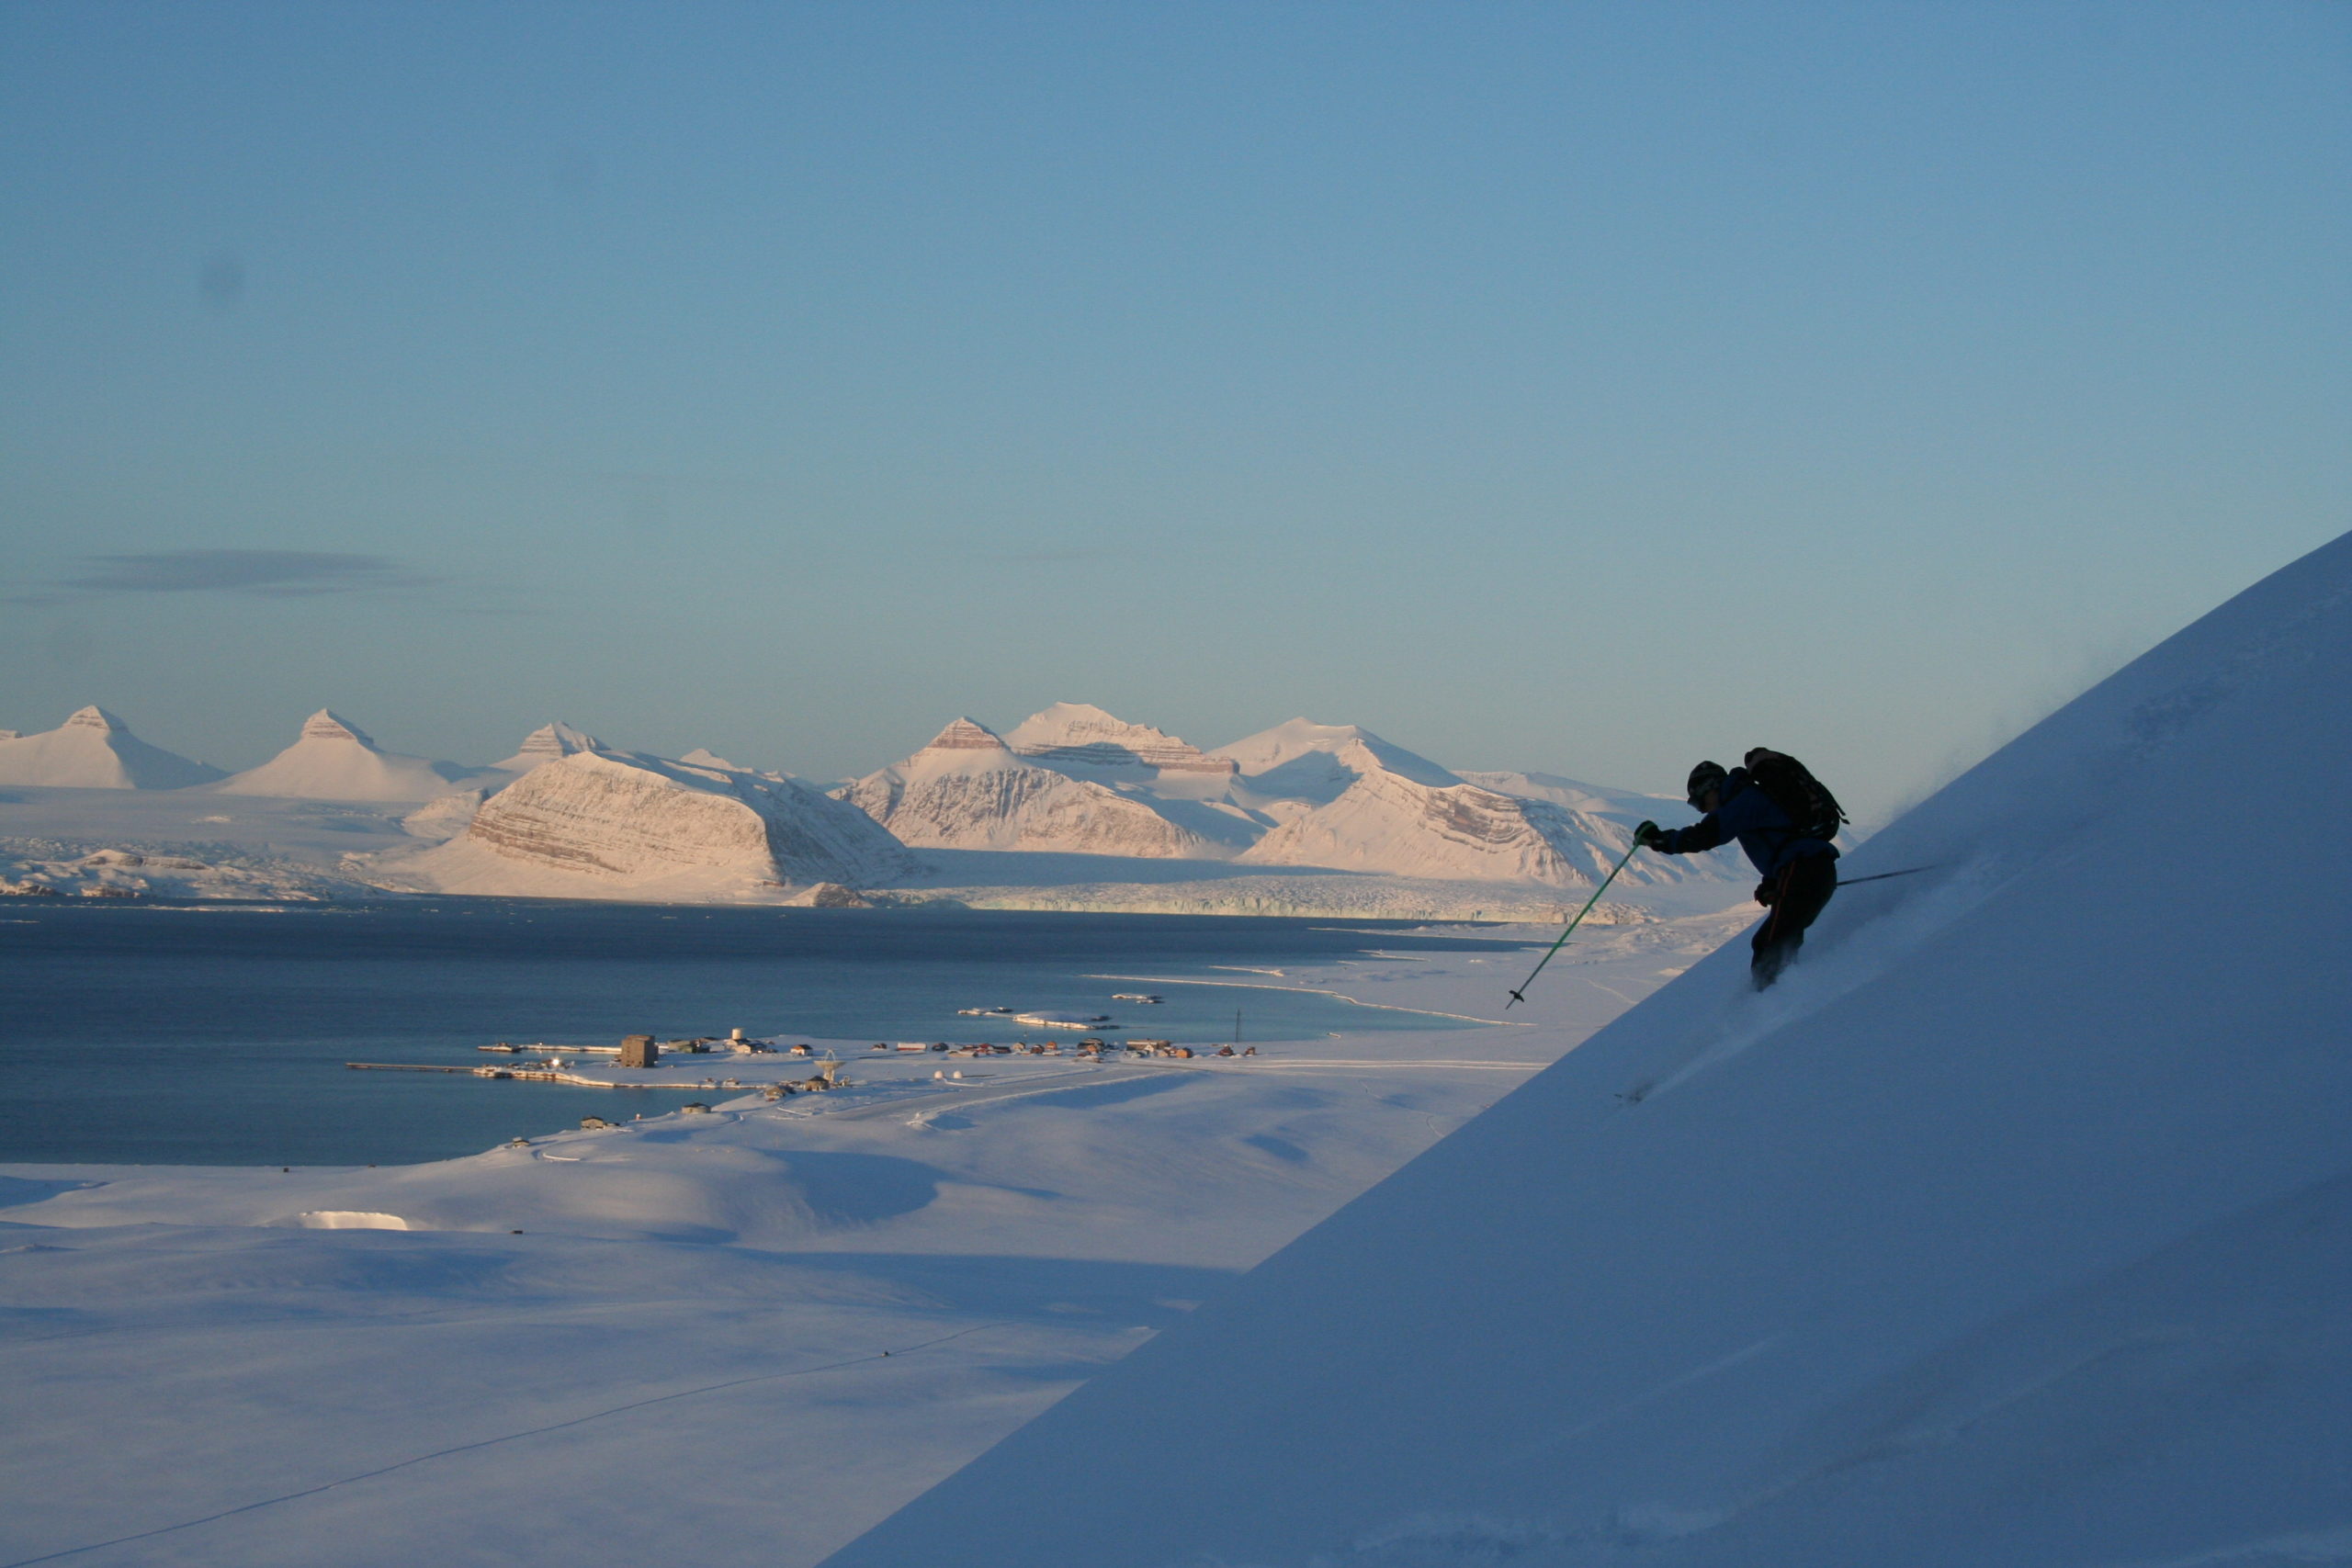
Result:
968,790
2014,1227
334,759
619,825
93,749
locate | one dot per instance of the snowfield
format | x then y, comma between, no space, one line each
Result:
743,1336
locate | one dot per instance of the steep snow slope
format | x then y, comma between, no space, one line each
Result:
334,759
2014,1227
93,749
968,790
605,824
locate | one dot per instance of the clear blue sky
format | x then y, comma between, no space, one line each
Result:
1578,386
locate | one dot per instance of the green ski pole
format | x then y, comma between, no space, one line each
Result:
1521,994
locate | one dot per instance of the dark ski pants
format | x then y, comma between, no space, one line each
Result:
1800,890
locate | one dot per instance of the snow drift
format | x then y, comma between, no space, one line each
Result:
334,759
2014,1227
93,749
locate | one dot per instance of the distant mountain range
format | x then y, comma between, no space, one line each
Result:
568,814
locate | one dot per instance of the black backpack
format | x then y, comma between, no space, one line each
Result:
1803,799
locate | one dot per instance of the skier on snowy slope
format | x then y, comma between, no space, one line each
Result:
1798,863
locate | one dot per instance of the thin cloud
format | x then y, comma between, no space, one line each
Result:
272,574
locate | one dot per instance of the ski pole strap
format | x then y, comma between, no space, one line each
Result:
1519,995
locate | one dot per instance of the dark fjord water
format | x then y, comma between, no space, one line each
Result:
216,1035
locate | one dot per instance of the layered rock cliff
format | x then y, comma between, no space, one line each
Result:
602,821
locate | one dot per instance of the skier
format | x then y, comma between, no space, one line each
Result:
1800,871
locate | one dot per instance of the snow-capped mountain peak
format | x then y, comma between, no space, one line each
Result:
98,719
547,743
1082,735
966,735
603,823
334,759
326,725
1301,759
968,790
95,750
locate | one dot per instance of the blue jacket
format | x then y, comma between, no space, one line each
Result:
1748,814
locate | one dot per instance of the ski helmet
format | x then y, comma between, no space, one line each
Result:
1705,777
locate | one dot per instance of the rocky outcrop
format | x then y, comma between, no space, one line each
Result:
93,749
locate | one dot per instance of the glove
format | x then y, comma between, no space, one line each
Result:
1649,835
1766,891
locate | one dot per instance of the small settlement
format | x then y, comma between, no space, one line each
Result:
645,1060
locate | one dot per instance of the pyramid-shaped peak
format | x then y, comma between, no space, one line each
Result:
557,739
964,735
328,725
93,749
98,719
